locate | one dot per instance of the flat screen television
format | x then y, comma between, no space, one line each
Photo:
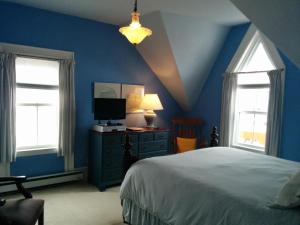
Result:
109,108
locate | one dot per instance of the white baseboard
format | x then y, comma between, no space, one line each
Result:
40,181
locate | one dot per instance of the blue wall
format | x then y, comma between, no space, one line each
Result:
208,106
101,54
291,119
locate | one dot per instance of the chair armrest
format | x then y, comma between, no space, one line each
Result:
18,180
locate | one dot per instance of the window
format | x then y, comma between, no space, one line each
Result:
37,104
251,110
252,97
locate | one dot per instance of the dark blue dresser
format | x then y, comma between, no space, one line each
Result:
106,153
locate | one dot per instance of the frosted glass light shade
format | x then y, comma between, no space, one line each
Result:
135,33
151,102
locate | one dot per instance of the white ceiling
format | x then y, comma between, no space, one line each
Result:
118,11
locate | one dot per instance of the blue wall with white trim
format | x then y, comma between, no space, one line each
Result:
102,54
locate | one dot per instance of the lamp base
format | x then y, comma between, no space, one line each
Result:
150,117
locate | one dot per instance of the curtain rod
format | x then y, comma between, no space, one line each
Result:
50,58
35,52
261,71
37,57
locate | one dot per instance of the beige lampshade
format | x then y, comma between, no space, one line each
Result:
151,102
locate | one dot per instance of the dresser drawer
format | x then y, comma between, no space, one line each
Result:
134,149
109,140
119,149
133,138
110,175
113,155
154,146
146,137
152,154
113,160
112,149
161,136
106,153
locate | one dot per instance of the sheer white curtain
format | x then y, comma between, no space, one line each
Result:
7,108
67,115
275,111
228,108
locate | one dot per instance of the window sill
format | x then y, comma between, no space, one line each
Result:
39,151
255,150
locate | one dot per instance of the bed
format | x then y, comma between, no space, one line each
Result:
212,186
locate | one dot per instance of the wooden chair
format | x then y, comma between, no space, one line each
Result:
186,134
25,211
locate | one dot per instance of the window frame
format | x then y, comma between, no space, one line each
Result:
252,35
36,149
39,53
235,124
247,48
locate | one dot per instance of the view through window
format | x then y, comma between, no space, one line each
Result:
252,98
37,103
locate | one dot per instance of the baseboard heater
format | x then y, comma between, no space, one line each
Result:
40,181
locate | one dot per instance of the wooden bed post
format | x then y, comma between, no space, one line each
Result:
128,158
214,141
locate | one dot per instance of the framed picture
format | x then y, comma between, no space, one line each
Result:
107,90
134,95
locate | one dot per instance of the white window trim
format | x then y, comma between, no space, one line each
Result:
35,52
249,41
4,169
250,149
37,151
39,53
268,45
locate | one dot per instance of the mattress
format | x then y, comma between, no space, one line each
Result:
213,186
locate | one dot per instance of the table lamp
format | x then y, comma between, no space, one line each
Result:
150,103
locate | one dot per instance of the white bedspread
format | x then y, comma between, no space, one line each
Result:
213,186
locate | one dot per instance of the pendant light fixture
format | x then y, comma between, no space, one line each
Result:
135,33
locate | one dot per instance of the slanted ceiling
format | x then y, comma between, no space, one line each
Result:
181,52
279,20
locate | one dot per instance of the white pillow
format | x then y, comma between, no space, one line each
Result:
289,195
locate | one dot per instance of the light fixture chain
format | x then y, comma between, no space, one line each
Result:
135,6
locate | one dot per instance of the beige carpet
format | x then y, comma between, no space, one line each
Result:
80,204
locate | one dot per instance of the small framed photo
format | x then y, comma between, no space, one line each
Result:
107,90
